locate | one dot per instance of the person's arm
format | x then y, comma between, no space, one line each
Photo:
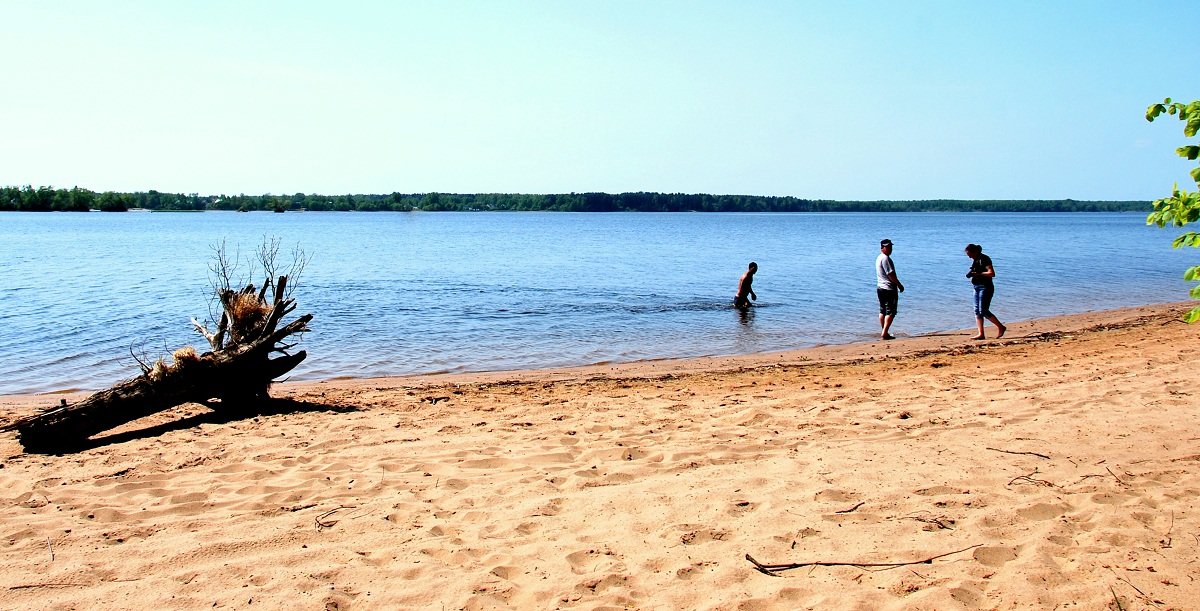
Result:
753,296
894,279
986,272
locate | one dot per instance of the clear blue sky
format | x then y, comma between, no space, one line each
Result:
832,100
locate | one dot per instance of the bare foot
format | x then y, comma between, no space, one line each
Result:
980,337
1002,330
887,337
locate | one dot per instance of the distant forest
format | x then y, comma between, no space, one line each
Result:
47,199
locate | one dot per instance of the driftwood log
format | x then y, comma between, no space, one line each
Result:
237,372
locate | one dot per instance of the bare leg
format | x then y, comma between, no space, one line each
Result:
885,322
995,321
979,325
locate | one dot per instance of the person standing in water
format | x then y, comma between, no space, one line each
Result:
744,288
981,274
887,288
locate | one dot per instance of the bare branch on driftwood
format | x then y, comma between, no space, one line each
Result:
772,569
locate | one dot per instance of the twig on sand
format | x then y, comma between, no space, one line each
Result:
1030,479
772,569
50,546
1116,599
1024,453
851,510
1138,590
1119,481
30,586
1165,542
321,520
939,521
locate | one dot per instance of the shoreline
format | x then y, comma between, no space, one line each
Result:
1055,467
1018,331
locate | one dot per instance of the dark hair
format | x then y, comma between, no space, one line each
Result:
973,249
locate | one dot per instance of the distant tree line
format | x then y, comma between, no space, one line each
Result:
46,199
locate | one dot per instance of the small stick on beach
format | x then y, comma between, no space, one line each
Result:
1116,599
939,521
1115,476
30,586
323,523
771,569
860,504
1165,542
1029,478
1139,591
1024,453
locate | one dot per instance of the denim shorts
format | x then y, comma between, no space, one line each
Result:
983,300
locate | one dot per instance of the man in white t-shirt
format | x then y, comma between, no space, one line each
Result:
888,288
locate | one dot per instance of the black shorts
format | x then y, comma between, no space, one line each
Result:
889,299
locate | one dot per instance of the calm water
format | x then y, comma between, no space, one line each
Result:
402,293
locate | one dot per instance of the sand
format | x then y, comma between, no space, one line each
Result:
1058,467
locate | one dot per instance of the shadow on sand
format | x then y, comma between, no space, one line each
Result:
219,415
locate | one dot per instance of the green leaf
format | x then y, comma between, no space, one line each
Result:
1190,238
1192,275
1190,152
1192,316
1196,175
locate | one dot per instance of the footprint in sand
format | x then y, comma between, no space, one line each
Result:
31,500
486,463
690,571
741,507
969,595
552,458
590,560
994,556
834,496
940,490
105,514
696,537
1110,498
506,572
527,528
1042,511
551,508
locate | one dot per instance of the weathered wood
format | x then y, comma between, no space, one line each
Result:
238,371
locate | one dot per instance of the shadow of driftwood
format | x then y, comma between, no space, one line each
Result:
221,415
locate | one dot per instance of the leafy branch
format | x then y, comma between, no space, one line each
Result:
1182,207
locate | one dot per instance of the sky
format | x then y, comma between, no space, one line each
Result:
853,100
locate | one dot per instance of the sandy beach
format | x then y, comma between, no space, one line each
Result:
1058,467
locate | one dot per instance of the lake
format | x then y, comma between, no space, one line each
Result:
420,292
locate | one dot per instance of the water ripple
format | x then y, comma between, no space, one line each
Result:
476,292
